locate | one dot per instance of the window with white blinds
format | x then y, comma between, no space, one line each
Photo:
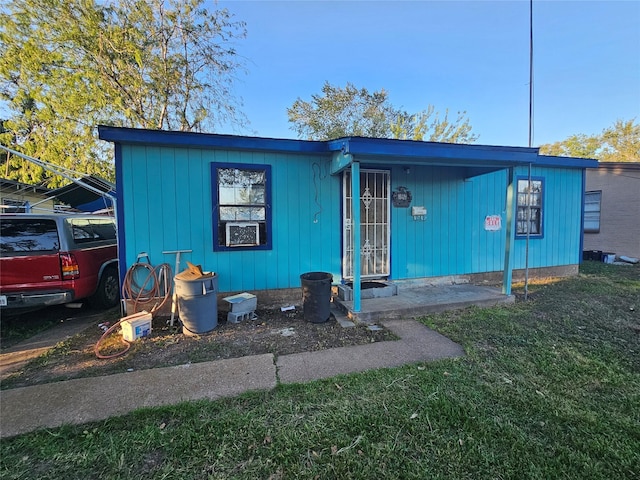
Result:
592,202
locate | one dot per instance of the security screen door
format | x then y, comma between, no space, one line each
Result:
374,224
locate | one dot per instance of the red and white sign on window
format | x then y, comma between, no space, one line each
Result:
492,223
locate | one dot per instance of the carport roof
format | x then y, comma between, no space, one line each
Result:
79,197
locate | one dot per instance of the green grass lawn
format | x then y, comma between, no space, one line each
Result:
549,389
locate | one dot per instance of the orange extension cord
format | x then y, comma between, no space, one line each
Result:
158,278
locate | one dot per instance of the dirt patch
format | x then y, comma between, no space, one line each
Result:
273,331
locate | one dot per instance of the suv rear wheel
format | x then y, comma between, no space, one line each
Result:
108,292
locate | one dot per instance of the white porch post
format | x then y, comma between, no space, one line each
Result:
509,252
355,228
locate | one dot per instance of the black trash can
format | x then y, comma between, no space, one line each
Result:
316,296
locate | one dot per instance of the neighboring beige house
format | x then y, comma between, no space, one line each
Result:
612,209
17,197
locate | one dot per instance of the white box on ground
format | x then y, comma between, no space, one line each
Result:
242,302
136,326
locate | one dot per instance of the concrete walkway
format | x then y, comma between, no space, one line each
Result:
15,357
91,399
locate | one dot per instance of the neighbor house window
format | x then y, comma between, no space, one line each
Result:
592,201
530,208
14,206
241,206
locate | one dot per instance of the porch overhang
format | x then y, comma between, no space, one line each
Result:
341,161
474,159
478,159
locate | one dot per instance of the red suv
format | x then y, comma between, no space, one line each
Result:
57,258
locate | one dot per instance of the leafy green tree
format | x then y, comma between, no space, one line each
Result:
618,143
427,125
68,65
351,111
621,142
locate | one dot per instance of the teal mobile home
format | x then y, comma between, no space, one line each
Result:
260,211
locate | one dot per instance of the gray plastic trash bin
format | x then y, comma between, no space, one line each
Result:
197,303
316,296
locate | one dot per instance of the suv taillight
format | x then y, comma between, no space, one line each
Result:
69,266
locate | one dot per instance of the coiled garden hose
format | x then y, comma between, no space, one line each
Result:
157,284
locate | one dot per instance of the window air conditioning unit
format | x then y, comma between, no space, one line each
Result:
243,234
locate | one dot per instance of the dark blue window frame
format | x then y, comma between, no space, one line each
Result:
537,208
219,243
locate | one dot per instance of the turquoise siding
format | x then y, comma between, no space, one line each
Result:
562,227
167,197
452,240
166,202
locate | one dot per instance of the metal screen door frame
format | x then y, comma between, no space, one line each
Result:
375,216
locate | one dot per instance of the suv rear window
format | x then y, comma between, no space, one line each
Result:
92,230
22,235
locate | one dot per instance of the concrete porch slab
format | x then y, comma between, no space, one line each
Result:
419,301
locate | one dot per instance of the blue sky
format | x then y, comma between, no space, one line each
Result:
460,55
